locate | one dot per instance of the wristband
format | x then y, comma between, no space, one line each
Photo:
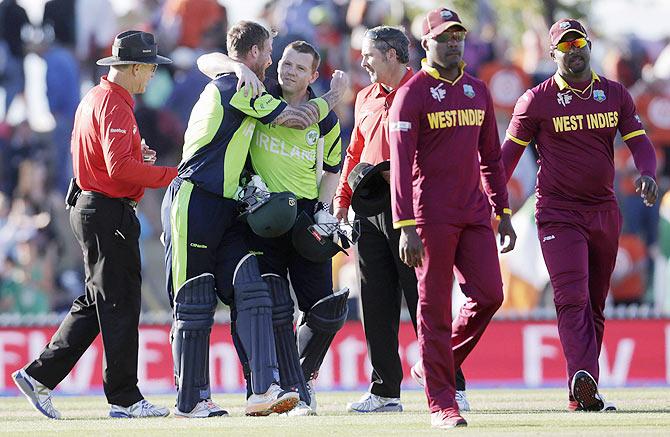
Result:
506,211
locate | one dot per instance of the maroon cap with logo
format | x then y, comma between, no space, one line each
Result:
439,20
563,26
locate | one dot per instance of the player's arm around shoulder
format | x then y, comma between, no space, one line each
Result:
303,116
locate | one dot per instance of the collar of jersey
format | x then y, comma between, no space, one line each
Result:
562,84
105,83
382,91
436,74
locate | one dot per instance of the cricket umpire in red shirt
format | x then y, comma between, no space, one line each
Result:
444,141
384,278
573,117
112,167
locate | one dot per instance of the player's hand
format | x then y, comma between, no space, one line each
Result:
386,174
648,190
247,79
342,214
340,82
411,247
148,154
506,230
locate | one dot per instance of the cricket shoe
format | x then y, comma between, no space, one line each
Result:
371,403
573,405
139,409
275,400
302,409
203,409
585,391
461,398
37,393
447,418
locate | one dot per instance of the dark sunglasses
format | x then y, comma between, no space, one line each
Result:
455,35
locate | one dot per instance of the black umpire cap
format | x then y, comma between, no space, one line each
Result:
134,47
371,193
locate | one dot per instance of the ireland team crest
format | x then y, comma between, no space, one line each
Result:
468,91
311,137
599,95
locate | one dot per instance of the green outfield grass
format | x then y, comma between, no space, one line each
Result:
642,411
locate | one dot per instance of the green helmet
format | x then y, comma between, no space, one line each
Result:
269,215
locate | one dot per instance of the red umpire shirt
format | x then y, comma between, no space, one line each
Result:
106,146
444,140
575,136
369,140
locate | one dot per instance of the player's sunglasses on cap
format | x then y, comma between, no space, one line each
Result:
565,46
376,35
451,35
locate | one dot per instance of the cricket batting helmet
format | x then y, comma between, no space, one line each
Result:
269,215
371,193
318,242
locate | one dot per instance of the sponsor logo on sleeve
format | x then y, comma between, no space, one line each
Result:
468,90
400,126
599,95
438,92
117,130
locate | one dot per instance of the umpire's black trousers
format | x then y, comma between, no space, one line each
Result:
108,232
384,280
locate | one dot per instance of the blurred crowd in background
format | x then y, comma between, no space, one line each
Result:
40,262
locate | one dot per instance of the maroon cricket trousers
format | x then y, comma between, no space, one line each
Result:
470,252
579,249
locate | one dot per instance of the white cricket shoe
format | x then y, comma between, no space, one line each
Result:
139,409
275,400
302,409
461,397
462,400
37,393
370,403
203,409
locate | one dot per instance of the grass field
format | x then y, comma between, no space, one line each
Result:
643,411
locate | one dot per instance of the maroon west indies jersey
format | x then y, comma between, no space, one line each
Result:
575,134
444,141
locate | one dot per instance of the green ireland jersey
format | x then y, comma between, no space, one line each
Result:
286,158
219,132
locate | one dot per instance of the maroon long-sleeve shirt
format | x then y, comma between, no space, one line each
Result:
574,133
444,141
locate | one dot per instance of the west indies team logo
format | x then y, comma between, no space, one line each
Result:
599,95
468,91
